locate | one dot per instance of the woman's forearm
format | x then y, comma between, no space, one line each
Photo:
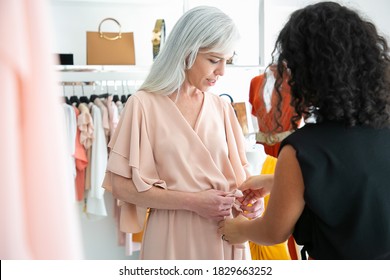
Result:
212,204
156,197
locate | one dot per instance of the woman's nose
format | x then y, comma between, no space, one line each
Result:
220,71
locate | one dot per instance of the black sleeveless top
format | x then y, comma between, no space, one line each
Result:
346,173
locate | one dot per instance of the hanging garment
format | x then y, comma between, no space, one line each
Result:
95,197
277,251
119,104
85,125
156,147
104,117
263,98
70,139
115,117
81,161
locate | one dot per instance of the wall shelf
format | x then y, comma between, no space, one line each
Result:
129,77
101,72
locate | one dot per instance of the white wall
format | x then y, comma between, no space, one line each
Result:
276,13
73,18
259,22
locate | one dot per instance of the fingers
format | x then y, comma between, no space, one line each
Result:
252,215
249,198
228,200
253,210
252,207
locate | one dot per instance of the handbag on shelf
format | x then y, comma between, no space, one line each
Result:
110,48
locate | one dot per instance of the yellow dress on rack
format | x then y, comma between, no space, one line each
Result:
274,252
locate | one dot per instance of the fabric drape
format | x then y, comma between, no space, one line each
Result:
38,218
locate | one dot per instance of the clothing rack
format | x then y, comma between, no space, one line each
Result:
87,80
88,91
87,88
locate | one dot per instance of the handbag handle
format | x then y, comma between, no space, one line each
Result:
110,38
228,95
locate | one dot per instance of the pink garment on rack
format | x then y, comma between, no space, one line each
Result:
38,218
85,125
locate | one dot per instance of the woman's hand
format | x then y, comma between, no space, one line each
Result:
256,187
233,230
211,204
254,209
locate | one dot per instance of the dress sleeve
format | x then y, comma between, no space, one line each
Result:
236,145
131,156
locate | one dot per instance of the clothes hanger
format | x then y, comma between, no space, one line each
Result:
116,96
83,98
105,95
123,98
74,99
64,98
125,86
93,95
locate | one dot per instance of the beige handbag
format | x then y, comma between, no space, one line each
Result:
110,48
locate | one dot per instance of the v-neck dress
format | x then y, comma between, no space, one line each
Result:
155,146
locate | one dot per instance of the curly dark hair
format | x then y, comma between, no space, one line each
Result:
339,66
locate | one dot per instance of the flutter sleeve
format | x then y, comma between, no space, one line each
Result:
131,156
236,145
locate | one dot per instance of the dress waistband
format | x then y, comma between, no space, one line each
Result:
271,139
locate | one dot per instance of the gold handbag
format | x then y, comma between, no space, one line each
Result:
110,48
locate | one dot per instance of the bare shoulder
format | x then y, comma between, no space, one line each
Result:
287,166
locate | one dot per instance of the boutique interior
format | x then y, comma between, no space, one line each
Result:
92,231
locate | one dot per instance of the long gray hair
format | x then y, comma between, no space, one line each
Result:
201,28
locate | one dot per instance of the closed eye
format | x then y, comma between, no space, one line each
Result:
213,61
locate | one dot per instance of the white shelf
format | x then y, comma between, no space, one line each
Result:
87,73
87,78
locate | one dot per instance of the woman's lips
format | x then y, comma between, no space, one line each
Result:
211,82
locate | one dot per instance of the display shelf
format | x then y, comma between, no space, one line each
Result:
85,79
75,73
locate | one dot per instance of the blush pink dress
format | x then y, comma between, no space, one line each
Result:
156,147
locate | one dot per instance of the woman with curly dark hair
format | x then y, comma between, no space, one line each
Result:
331,185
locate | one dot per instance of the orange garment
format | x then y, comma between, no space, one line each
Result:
81,160
266,120
274,252
137,237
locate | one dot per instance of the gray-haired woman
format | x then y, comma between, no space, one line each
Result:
179,150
